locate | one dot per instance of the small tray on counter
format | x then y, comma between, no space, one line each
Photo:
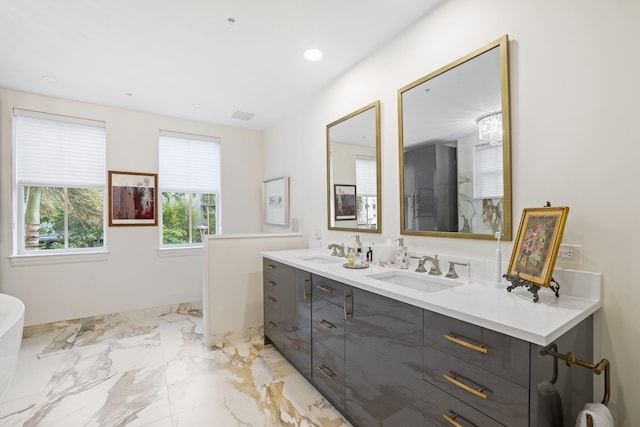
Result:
355,267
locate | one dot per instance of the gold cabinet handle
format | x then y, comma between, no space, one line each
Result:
347,295
453,378
306,294
325,289
272,300
271,283
453,338
451,418
328,373
326,324
270,266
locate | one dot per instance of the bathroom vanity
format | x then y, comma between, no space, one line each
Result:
456,354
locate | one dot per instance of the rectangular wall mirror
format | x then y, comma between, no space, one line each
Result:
353,171
455,148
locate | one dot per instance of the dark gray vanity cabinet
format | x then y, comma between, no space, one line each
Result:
300,338
287,312
484,369
278,297
385,363
383,358
330,308
476,376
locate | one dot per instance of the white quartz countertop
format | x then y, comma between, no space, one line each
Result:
490,306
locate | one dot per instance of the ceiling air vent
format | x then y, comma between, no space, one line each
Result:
242,115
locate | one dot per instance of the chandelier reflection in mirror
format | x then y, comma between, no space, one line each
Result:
490,128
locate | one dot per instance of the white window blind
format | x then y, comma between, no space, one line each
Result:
488,176
366,182
189,163
59,151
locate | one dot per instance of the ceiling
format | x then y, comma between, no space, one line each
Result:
187,58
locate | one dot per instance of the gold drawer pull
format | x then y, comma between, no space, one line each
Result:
272,300
325,324
481,348
346,312
271,283
306,294
270,266
452,419
326,372
325,289
453,379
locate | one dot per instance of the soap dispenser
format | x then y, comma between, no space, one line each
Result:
402,254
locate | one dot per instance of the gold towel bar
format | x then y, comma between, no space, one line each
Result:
571,359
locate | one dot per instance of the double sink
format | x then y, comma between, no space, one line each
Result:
407,279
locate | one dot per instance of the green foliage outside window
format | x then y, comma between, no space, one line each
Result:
183,213
67,217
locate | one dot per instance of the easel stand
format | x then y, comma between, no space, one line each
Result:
517,281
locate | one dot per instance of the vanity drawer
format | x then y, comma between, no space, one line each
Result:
274,326
274,270
440,408
498,353
497,397
330,290
279,299
327,321
328,374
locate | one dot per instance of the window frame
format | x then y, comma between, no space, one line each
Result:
187,192
65,254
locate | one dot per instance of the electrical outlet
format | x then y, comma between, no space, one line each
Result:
569,256
566,253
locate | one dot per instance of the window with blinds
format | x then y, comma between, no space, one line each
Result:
189,181
59,177
366,191
487,172
366,176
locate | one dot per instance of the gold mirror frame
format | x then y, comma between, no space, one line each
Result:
502,45
349,186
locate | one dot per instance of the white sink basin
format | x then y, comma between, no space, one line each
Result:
322,259
414,281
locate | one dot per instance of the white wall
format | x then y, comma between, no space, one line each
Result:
574,104
135,274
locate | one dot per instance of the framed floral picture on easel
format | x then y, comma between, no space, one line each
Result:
537,244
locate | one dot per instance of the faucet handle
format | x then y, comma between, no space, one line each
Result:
451,274
452,269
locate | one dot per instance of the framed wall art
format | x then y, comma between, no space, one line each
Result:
345,202
537,244
276,201
133,198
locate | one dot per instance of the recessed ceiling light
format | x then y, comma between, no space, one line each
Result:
312,55
231,20
197,105
49,79
129,94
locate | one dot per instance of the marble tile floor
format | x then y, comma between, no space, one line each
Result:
150,368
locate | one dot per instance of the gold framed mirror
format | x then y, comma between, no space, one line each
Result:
455,148
353,171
